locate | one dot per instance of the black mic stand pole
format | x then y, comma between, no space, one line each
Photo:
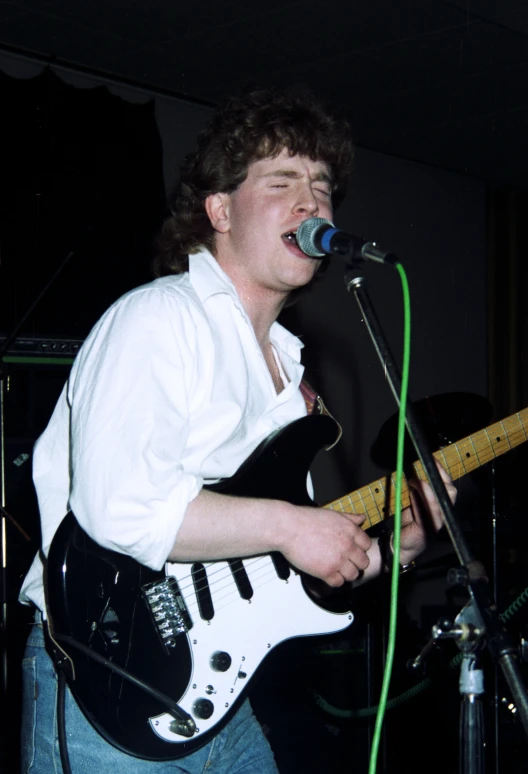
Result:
483,622
4,380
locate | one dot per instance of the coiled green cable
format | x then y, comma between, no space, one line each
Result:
396,701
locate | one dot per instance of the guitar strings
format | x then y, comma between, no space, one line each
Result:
231,595
223,567
232,598
226,577
224,574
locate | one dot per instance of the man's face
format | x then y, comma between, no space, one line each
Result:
254,241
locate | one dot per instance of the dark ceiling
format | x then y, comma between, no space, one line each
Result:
443,82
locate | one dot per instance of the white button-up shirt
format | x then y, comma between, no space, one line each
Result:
170,390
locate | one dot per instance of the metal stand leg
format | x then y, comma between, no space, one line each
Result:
472,744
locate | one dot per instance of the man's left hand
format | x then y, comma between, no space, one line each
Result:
422,516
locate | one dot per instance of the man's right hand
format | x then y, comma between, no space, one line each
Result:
327,544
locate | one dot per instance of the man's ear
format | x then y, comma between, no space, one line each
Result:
217,209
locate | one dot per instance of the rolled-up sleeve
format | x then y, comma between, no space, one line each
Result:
129,395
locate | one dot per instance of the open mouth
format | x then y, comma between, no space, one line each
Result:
290,236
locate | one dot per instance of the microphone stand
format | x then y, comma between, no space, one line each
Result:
479,619
4,514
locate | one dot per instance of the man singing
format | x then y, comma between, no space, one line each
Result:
177,384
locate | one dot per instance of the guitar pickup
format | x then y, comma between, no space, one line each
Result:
168,609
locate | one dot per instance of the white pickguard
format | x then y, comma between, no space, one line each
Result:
245,629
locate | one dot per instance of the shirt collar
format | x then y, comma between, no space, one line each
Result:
209,279
286,342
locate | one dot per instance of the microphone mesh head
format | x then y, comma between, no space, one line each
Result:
306,233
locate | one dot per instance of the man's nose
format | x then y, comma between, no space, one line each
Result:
307,202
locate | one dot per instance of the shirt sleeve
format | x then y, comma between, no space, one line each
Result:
129,398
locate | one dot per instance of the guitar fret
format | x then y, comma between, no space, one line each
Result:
499,444
364,509
441,453
485,451
369,504
344,504
465,452
490,443
457,474
372,510
351,506
381,498
504,429
502,443
475,449
513,424
483,446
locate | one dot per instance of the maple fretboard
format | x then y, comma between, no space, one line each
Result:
377,503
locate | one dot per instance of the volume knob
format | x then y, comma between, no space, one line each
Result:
220,661
203,708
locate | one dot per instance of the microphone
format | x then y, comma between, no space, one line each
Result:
318,237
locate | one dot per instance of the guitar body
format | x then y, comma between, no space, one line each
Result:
198,632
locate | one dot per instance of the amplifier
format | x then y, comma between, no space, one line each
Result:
42,349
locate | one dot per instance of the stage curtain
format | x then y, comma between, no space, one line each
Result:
81,173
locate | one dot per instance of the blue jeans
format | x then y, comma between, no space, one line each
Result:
240,748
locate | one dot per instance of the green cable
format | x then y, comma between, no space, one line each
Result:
397,523
515,605
367,712
386,704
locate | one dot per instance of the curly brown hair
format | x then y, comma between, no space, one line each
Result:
257,125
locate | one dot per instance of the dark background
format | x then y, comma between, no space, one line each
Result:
99,103
437,81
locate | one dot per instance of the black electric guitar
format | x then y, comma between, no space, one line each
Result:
162,659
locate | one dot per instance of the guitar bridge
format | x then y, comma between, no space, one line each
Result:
168,610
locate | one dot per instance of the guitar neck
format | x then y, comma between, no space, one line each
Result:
377,500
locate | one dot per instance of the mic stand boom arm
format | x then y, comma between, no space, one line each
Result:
497,638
